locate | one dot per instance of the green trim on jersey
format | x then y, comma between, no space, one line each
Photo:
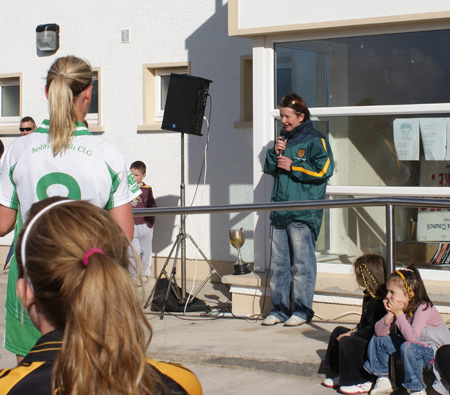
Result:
14,198
20,333
115,180
133,187
81,129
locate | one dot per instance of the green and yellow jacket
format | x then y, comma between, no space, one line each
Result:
312,165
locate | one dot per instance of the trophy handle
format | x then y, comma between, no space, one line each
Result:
241,231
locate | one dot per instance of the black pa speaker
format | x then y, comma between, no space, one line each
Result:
185,104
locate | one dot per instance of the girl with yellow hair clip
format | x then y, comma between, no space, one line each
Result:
421,331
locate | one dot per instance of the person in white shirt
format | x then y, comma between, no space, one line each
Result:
60,158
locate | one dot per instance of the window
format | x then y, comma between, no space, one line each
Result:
359,86
162,78
10,100
246,92
155,86
93,117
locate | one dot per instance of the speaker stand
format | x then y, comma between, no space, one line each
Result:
180,245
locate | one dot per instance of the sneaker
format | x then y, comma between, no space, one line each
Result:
271,320
331,382
383,386
362,388
422,392
294,321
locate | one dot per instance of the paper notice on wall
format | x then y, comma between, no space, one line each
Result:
434,138
406,138
433,224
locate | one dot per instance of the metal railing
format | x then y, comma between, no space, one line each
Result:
388,202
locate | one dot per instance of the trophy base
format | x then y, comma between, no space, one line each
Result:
241,268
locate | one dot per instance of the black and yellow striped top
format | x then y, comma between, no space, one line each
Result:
33,374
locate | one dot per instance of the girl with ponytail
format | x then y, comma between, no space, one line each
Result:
73,279
60,158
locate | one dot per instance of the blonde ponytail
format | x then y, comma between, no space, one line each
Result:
66,79
91,297
101,361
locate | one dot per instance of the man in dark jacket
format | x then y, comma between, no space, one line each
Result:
301,166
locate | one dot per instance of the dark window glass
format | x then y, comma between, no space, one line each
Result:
10,96
389,69
93,108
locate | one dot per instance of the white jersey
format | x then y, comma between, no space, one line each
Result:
90,169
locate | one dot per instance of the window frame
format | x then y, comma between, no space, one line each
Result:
331,241
348,111
10,125
246,93
151,91
94,119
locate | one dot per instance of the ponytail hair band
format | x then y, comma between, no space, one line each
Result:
90,252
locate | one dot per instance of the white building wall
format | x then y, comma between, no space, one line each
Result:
160,32
267,13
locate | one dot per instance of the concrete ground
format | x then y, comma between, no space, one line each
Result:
232,355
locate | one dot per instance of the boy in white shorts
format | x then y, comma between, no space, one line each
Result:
143,226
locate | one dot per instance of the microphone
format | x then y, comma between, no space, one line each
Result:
283,134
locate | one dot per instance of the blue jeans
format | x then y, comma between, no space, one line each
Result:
415,357
293,270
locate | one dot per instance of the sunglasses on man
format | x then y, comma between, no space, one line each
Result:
25,129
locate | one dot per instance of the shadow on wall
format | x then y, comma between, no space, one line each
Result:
364,230
230,153
264,188
165,224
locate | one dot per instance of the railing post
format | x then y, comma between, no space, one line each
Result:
390,238
390,261
183,225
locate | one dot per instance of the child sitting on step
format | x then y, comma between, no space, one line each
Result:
421,331
346,351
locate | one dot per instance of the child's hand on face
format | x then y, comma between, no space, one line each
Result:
389,314
395,307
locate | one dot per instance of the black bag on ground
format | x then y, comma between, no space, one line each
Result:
172,303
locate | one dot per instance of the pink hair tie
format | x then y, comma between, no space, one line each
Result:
90,252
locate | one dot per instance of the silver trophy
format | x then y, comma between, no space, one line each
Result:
237,240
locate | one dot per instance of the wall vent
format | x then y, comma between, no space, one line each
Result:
125,36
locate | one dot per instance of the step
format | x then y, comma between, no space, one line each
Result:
336,296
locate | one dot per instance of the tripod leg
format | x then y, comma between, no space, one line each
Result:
172,283
194,295
152,293
163,271
213,270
